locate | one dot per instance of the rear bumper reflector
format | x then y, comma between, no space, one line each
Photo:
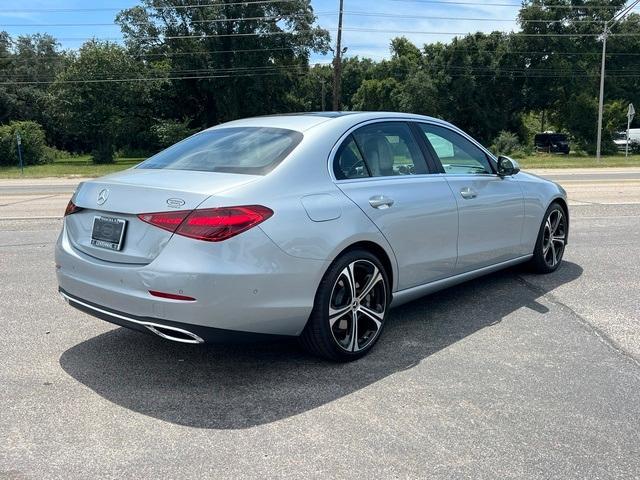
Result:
172,296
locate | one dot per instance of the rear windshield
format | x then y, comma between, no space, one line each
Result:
249,150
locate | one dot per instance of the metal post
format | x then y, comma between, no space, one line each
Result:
631,112
324,94
337,64
601,100
19,142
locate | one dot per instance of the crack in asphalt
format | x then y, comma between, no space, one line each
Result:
586,324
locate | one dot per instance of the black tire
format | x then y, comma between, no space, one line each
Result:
323,339
545,248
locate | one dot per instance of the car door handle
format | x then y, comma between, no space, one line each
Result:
467,192
380,202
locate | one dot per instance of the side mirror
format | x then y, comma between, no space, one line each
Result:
507,166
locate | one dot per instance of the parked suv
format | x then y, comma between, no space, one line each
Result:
551,143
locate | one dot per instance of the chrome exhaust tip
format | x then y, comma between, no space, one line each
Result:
174,334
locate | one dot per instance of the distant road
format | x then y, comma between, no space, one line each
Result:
50,186
37,189
588,174
47,197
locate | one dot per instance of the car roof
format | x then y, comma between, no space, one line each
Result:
305,120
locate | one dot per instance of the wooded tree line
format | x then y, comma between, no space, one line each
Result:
181,69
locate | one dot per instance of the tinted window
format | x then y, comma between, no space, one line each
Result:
250,150
456,153
348,162
389,149
558,137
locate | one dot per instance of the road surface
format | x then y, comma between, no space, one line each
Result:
509,376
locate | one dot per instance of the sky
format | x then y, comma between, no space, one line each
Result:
390,18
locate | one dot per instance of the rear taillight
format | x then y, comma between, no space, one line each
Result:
166,220
209,224
71,208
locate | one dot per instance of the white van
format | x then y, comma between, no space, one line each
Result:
621,138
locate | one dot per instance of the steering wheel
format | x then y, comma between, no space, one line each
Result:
352,170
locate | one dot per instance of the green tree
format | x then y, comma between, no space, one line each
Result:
248,56
104,97
375,95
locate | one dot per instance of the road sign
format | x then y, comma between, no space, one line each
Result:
631,112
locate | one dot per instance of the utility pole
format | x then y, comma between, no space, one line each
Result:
337,63
601,99
607,29
324,93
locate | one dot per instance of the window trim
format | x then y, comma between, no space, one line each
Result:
353,128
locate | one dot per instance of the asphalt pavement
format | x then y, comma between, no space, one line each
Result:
509,376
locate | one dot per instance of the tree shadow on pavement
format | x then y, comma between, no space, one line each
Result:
240,386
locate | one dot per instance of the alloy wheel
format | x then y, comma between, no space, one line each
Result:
357,306
554,237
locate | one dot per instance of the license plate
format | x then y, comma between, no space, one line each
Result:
108,232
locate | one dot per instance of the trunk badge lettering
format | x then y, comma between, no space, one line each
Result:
103,195
175,202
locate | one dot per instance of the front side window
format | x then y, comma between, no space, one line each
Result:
389,149
457,154
249,150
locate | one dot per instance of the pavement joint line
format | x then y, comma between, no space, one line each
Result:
44,244
57,217
588,326
27,201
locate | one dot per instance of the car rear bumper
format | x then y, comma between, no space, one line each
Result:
169,330
245,284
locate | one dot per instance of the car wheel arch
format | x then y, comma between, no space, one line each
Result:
386,258
565,207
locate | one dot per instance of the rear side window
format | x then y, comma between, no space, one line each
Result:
248,150
382,149
348,162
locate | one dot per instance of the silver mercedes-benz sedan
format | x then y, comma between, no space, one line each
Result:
310,225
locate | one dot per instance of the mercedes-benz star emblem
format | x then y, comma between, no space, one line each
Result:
103,195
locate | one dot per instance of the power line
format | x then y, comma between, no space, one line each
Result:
258,2
114,9
419,32
351,29
471,19
202,77
213,20
60,57
143,79
474,70
348,13
485,4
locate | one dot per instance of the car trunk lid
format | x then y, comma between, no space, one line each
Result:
125,195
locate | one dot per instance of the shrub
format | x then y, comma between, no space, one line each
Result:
103,153
168,132
34,147
505,143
